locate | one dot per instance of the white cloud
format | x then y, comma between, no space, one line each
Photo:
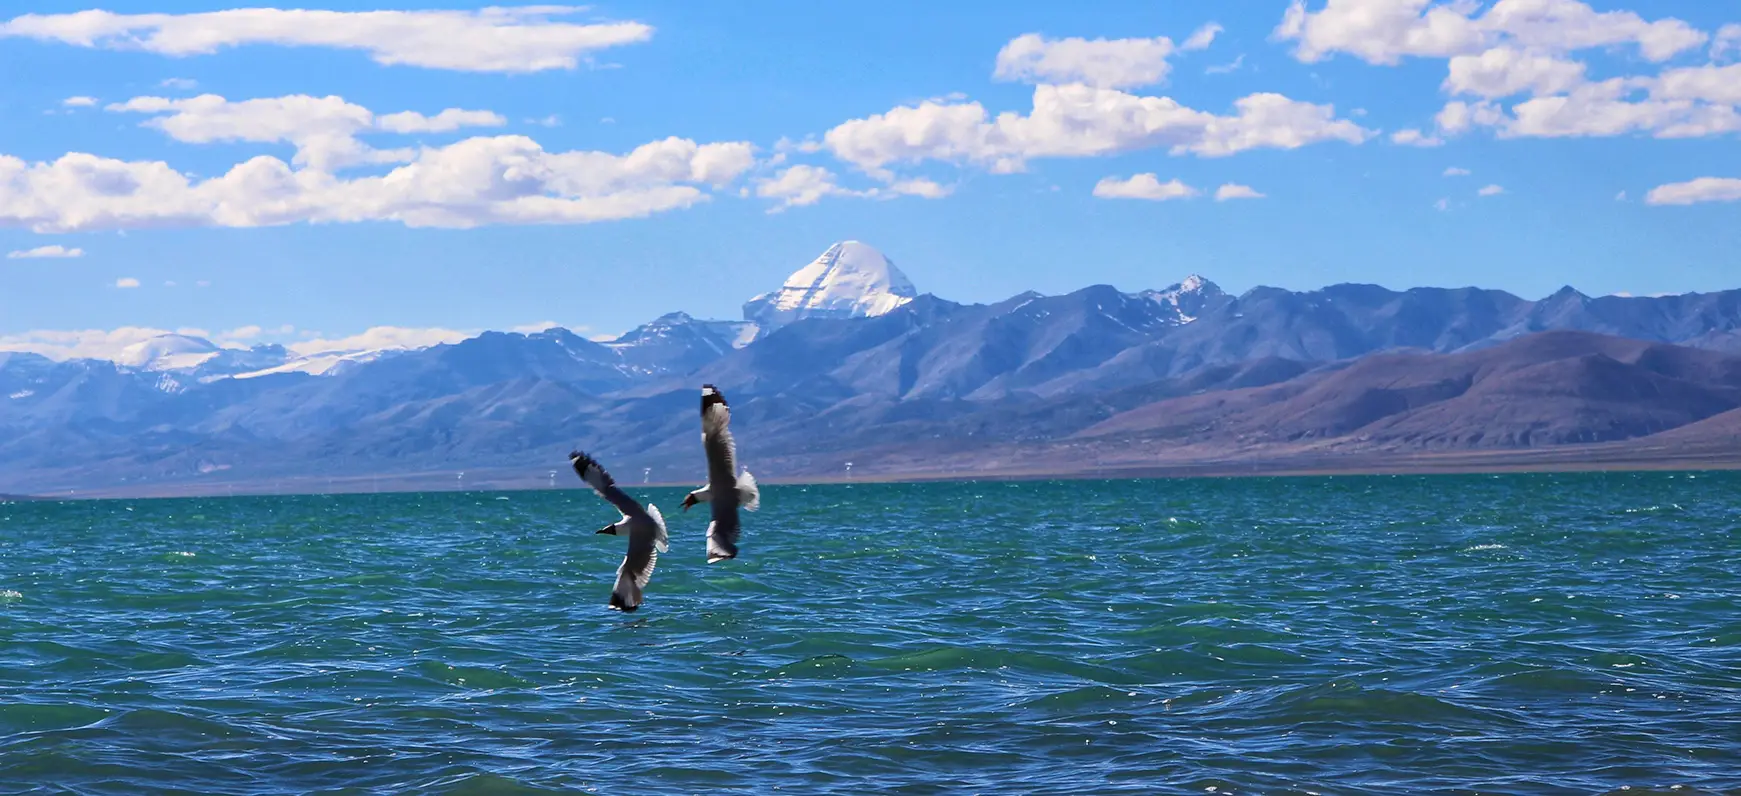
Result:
110,343
1714,84
1234,190
1080,121
1490,190
1442,205
1727,40
1143,186
79,102
126,282
1504,71
549,121
1103,63
1605,109
1566,25
799,186
443,122
920,187
1386,31
379,337
477,181
78,344
1413,137
1223,69
1378,31
56,251
525,39
324,130
1620,197
1703,189
179,83
1454,171
1202,37
1458,116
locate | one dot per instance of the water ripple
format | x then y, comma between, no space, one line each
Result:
1514,634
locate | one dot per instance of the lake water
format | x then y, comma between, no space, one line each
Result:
1492,634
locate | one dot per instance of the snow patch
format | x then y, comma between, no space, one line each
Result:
1189,298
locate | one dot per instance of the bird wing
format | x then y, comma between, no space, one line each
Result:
722,533
595,476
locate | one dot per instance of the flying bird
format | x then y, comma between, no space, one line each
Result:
644,527
724,492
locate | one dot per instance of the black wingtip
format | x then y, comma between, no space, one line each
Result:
710,396
617,604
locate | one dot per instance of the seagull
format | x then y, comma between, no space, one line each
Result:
724,491
644,527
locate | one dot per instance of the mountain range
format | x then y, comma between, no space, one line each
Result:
848,362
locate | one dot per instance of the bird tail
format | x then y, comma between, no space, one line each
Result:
626,596
718,549
661,538
749,495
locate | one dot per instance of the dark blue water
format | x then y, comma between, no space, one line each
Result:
1515,634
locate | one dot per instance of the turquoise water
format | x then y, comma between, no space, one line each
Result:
1512,634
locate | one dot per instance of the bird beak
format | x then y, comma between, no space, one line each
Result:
688,500
610,529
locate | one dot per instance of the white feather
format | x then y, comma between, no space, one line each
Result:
749,495
661,539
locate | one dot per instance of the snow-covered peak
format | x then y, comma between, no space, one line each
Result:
167,352
1188,298
850,280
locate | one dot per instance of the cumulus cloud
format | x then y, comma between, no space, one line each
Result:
382,337
80,343
1234,190
79,102
324,130
799,186
1490,190
1222,69
1505,71
179,83
1105,63
1413,137
1454,171
477,181
1080,121
1143,186
1703,189
1202,37
126,282
56,251
527,39
1458,116
1608,108
1726,42
1386,31
110,343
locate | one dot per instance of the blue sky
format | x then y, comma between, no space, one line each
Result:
988,148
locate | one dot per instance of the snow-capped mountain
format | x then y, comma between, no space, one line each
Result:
167,352
849,280
1189,298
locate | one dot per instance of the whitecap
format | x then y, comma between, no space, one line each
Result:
9,594
1491,546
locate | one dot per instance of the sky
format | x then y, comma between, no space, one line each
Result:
398,172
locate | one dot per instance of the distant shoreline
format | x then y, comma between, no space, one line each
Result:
1489,463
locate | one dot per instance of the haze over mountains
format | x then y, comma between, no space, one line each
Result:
848,361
